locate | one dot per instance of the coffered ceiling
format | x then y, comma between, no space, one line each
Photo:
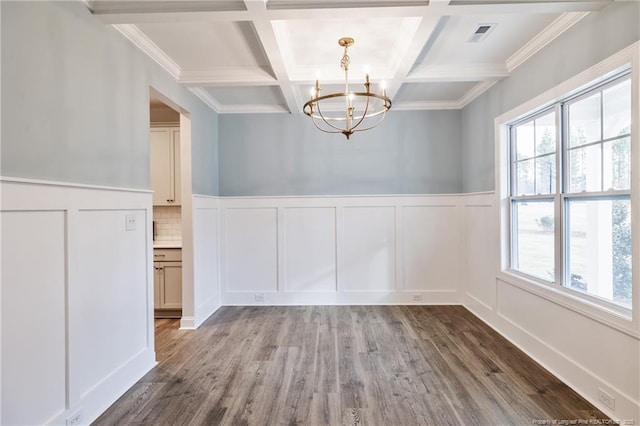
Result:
264,55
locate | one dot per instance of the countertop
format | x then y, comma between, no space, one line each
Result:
167,244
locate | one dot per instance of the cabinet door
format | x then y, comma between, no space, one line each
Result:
161,166
172,285
158,277
177,191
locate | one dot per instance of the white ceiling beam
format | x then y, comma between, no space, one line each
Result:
526,8
151,17
155,14
423,33
267,37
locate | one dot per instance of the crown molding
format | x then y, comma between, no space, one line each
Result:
425,105
257,76
253,109
88,3
546,36
206,97
458,72
152,50
468,97
475,91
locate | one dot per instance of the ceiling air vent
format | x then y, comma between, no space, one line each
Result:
481,32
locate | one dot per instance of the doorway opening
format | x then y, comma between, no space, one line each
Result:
170,169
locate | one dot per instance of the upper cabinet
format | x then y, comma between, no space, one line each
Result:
165,165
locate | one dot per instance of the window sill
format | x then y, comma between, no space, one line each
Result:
619,321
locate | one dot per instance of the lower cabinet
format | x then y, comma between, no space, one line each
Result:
167,283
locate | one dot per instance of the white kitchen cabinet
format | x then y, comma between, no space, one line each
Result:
165,165
167,280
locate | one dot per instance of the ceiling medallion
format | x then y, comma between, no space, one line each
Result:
362,110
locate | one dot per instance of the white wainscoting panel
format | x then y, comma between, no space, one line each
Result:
310,249
77,298
107,294
583,352
252,249
33,321
341,250
432,247
481,253
206,268
584,345
369,249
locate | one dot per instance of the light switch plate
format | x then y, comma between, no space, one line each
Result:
131,222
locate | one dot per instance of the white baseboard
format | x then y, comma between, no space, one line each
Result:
204,311
581,380
93,403
188,323
344,298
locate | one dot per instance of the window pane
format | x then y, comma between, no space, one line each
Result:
617,109
584,121
617,164
524,141
599,248
546,174
533,240
546,134
524,173
585,169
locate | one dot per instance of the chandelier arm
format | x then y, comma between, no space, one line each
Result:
375,125
385,106
313,120
339,130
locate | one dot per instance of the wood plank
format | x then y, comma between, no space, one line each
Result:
351,365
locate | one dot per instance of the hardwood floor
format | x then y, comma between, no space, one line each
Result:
334,365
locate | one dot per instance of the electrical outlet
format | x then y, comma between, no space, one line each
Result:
416,297
259,297
75,419
131,221
607,399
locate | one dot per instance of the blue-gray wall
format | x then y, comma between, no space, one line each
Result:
75,101
590,41
413,152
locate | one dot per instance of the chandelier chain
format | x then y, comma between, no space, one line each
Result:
344,63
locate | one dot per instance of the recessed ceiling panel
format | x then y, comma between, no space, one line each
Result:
207,45
311,47
324,4
425,92
155,6
260,95
510,33
479,2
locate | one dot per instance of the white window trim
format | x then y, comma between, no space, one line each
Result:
609,314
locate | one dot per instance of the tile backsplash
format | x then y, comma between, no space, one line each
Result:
168,223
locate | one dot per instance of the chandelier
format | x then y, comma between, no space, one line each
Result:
362,110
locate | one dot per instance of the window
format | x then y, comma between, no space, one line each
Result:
570,192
